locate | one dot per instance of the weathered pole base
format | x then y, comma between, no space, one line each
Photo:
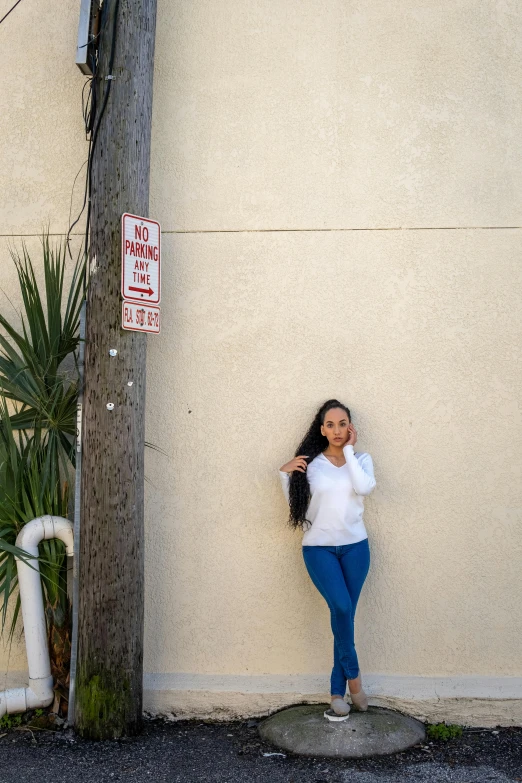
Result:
108,707
305,731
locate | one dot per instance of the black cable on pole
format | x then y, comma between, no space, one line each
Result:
89,112
109,78
11,9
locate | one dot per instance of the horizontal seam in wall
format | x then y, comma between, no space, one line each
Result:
400,686
295,230
318,230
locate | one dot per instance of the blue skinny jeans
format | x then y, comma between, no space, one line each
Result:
339,572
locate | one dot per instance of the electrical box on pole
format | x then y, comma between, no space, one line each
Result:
88,32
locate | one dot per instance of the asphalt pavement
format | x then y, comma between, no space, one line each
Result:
233,752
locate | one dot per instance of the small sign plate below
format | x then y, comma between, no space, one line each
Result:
140,317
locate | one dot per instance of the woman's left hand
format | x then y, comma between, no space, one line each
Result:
352,436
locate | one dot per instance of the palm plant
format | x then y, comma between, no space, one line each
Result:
35,361
38,396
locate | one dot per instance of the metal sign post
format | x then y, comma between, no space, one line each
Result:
77,492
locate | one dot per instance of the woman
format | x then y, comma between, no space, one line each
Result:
324,485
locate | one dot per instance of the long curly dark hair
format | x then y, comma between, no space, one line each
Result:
312,445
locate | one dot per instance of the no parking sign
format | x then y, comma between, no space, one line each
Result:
140,273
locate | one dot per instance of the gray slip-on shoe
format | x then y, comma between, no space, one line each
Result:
340,707
359,701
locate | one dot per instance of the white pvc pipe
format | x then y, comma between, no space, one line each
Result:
40,691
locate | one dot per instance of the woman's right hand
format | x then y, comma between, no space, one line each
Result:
297,463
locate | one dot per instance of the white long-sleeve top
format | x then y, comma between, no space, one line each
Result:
336,505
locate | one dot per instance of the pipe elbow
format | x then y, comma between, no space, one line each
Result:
44,528
39,694
63,530
40,691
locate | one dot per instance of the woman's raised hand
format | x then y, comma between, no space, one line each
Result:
352,436
297,463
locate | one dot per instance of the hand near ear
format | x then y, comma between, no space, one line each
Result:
352,436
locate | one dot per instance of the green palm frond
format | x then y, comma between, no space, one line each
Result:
38,369
38,398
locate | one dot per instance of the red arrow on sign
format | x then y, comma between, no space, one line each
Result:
148,291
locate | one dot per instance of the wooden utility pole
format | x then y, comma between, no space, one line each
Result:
108,698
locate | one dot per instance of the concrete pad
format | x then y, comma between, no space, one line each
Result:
304,730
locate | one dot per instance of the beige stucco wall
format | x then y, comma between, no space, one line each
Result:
339,187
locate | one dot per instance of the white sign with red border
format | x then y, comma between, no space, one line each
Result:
140,259
140,318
